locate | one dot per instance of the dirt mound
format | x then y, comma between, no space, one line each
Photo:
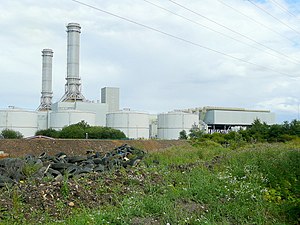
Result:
22,147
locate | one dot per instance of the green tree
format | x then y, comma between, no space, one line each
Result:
72,132
295,128
218,138
195,133
275,132
83,130
11,134
183,135
96,132
75,131
48,132
258,131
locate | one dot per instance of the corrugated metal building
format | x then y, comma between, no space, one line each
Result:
218,118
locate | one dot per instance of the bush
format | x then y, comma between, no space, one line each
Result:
218,138
276,169
104,133
11,134
73,131
83,130
183,135
195,133
48,132
258,132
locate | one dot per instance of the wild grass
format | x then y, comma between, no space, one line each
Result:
213,185
202,184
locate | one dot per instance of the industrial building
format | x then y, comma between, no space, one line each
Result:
224,119
170,124
133,124
228,118
73,107
111,96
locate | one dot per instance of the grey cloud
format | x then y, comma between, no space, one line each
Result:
156,73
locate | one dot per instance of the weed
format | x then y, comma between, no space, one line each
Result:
29,169
200,184
64,189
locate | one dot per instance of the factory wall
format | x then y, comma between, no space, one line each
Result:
99,109
43,120
111,96
238,117
60,119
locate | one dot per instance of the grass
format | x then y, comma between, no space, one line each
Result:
199,184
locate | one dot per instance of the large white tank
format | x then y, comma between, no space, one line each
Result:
59,119
133,124
170,124
24,121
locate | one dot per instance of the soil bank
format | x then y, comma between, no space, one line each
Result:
22,147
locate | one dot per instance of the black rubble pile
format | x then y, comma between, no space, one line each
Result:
13,170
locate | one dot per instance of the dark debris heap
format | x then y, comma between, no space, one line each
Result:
13,170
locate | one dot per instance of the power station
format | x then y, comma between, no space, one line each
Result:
73,107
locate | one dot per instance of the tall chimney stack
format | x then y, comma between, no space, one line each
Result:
73,86
46,99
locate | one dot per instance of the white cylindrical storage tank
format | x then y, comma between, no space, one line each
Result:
24,121
60,119
170,124
134,124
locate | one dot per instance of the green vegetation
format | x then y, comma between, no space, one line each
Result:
199,183
83,130
183,135
246,177
257,133
48,132
10,134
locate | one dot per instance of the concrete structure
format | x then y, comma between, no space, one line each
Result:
170,124
43,120
100,110
111,96
152,126
24,121
133,124
73,86
228,118
46,99
224,119
60,119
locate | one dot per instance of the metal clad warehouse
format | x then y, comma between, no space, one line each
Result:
218,118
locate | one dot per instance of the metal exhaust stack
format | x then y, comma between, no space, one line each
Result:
46,99
73,86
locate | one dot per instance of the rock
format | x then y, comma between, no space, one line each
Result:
3,155
71,204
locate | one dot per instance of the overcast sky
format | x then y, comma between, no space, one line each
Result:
209,55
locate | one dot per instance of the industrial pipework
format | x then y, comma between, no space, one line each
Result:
73,86
46,99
